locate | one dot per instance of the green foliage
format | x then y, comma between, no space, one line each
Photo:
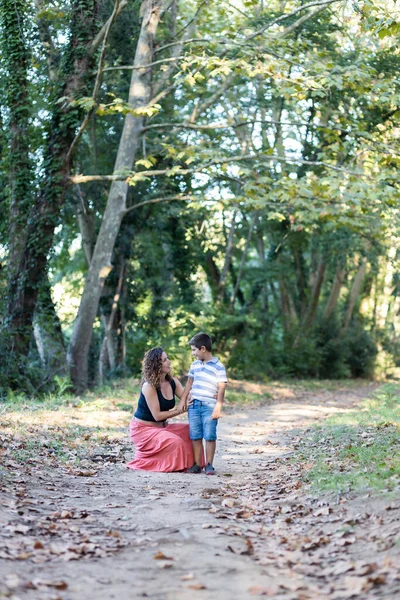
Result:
299,127
63,384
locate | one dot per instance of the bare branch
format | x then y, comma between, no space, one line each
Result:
299,22
193,19
217,161
98,78
104,30
198,40
323,3
133,68
157,200
201,108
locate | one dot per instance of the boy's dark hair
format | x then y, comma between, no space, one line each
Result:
201,339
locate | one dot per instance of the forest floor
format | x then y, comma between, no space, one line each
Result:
298,508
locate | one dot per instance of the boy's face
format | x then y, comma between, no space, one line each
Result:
199,353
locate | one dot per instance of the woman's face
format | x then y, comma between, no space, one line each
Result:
165,363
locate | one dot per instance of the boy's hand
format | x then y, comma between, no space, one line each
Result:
216,412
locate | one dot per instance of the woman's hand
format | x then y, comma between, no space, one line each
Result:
181,408
189,400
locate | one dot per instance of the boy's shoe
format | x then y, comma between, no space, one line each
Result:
194,469
209,469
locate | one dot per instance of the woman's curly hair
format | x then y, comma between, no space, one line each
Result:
151,367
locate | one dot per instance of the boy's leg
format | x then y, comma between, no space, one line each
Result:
196,431
210,432
197,451
210,451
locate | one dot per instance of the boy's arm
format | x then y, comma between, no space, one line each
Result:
220,400
186,392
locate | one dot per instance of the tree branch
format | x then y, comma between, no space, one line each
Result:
156,201
98,78
300,22
105,29
218,161
133,68
193,19
294,12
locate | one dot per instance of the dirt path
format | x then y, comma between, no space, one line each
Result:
252,530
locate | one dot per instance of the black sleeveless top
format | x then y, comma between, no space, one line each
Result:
144,413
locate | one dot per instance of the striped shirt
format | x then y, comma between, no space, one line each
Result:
206,377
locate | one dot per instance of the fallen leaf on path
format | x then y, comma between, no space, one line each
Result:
187,577
244,514
197,586
244,547
161,556
12,581
345,541
325,511
377,579
18,528
113,533
259,590
58,584
82,473
355,585
228,502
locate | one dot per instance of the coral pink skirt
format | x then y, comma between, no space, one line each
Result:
162,449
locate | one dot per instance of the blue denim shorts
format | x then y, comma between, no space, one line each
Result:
201,425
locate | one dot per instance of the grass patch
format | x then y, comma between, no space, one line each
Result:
324,385
61,428
358,449
241,397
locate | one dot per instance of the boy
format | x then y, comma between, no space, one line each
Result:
207,380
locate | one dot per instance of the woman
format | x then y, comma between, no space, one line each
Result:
160,446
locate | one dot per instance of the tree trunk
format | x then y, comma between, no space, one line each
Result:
239,294
261,248
354,294
16,60
228,256
300,275
30,248
315,294
100,266
48,334
212,273
287,306
107,352
243,259
86,225
340,276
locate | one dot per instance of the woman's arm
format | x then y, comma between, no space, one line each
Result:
186,399
154,405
